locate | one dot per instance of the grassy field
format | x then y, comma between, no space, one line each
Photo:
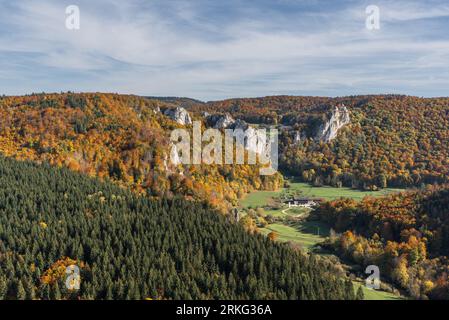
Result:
332,193
376,294
262,198
258,198
306,234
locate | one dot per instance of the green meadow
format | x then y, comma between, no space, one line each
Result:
258,198
262,198
306,234
371,294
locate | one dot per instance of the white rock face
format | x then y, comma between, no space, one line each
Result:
180,115
254,141
172,161
329,130
252,137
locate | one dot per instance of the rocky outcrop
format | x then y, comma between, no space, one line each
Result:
328,131
224,122
172,161
252,136
220,121
239,124
254,141
179,114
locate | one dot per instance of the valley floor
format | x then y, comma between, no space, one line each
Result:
291,224
262,198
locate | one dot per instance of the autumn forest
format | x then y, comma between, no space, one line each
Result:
86,179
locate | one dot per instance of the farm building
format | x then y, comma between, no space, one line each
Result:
302,202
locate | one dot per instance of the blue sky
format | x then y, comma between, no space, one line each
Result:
210,49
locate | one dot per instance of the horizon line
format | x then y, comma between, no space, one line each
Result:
237,97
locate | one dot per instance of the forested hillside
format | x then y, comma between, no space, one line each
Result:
131,247
406,235
124,138
395,141
143,240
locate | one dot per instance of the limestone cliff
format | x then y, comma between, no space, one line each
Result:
221,121
253,137
329,130
179,114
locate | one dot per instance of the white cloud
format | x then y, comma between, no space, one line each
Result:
126,47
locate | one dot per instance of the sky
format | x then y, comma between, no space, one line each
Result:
216,49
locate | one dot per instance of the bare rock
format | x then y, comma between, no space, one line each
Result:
328,131
220,121
179,114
